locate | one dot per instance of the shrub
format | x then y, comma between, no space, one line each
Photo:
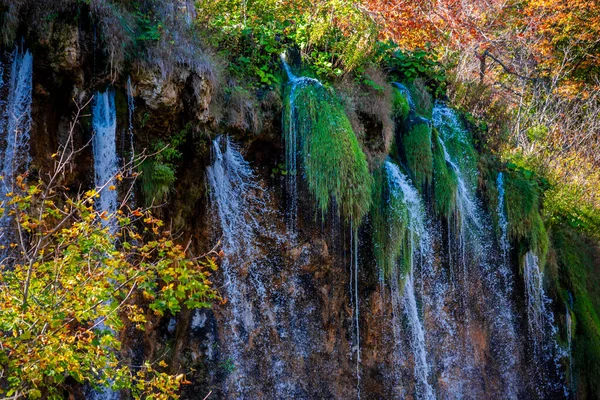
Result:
67,303
158,171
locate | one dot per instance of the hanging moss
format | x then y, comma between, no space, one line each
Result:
577,259
445,182
400,105
390,219
523,210
416,145
335,166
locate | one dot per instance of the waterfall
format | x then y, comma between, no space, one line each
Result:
104,124
400,187
504,241
537,315
476,261
104,147
234,194
131,110
542,331
15,128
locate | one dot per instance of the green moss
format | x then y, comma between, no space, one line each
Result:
445,182
334,164
400,105
416,145
389,218
577,259
523,209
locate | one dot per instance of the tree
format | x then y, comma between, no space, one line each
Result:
71,284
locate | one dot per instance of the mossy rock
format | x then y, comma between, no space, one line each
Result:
334,164
416,145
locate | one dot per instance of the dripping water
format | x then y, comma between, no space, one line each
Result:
569,326
354,297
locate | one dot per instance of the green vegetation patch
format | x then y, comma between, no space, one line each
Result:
523,209
400,106
389,218
416,145
445,182
577,259
334,164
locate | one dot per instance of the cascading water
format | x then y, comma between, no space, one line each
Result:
257,339
233,195
542,330
504,241
15,128
475,261
104,145
418,243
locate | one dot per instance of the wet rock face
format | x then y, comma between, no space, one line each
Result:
165,93
66,52
158,91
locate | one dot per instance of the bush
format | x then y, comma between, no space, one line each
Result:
65,306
